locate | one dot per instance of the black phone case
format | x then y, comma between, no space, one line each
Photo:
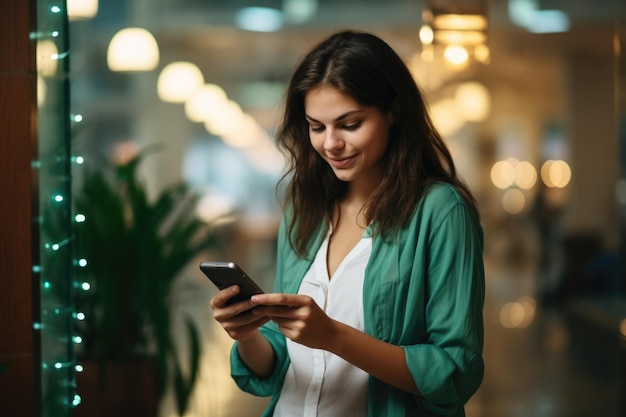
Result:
225,274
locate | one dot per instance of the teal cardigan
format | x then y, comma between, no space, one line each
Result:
423,291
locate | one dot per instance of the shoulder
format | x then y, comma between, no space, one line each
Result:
442,203
440,198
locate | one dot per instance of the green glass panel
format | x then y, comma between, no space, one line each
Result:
54,219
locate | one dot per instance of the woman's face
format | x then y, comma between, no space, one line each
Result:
351,137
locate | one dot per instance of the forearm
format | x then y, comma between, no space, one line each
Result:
382,360
257,354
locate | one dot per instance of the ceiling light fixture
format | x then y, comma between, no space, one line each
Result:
132,50
459,29
178,80
81,9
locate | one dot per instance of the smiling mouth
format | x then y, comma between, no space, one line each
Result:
342,162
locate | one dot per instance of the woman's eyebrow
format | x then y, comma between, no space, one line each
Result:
343,116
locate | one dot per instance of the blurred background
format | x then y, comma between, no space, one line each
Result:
528,94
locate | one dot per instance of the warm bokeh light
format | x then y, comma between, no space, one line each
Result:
133,49
460,37
519,313
511,315
622,328
513,201
426,35
205,102
530,306
473,101
461,21
511,171
545,173
456,54
81,9
224,119
503,174
244,134
482,53
556,173
525,175
47,58
42,90
178,80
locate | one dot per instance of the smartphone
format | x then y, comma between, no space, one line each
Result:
225,274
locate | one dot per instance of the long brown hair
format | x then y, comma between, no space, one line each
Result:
366,68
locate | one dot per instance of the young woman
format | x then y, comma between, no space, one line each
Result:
379,287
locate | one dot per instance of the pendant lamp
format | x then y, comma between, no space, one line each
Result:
133,49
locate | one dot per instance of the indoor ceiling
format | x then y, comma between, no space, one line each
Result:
204,30
247,64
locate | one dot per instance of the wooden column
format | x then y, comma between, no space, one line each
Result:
19,345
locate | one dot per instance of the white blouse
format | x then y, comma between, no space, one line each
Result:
319,383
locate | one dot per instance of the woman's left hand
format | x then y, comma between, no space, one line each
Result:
298,317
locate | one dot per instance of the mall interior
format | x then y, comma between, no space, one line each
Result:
138,140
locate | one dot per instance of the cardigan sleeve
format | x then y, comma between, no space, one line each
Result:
245,379
448,368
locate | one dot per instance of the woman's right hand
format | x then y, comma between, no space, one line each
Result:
236,319
242,325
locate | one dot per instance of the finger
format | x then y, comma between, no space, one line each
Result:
275,311
237,313
244,321
278,299
241,332
283,323
220,299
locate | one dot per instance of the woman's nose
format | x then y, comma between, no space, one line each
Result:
332,141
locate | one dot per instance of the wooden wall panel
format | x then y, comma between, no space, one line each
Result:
19,375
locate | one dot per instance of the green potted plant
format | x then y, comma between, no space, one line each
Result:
134,249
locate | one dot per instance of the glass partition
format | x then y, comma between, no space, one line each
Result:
53,168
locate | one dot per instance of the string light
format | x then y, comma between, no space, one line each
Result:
54,270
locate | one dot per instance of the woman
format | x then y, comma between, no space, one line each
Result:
379,287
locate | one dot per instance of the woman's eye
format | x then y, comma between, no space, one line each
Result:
353,126
316,128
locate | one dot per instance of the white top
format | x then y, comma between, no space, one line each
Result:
319,383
